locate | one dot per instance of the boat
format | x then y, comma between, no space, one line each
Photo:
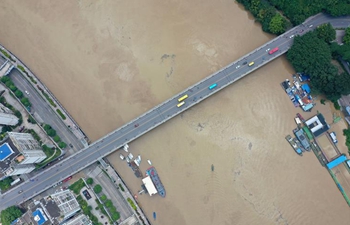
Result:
130,156
121,156
212,167
294,145
152,173
149,162
154,215
139,158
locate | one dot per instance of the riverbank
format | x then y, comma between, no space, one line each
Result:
106,68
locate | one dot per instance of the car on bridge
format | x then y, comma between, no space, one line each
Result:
251,63
136,125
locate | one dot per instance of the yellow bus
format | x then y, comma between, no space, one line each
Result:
183,98
180,104
251,63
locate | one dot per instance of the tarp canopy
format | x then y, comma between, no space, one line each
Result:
306,88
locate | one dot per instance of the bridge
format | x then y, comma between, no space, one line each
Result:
163,112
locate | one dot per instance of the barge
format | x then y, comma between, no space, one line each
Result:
294,145
152,173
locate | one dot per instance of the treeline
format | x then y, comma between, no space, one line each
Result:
272,14
312,54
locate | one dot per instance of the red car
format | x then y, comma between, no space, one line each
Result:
67,179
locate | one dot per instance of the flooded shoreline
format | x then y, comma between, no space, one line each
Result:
107,65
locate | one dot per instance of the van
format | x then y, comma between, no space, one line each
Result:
251,63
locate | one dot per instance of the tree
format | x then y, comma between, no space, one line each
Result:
56,138
62,145
26,102
10,214
89,181
51,132
346,38
47,127
103,198
6,183
326,32
4,79
18,93
277,24
13,87
97,188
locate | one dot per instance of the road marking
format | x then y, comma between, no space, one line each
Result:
134,129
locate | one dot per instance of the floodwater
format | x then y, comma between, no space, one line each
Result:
110,61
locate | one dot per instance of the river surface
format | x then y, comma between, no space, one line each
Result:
110,61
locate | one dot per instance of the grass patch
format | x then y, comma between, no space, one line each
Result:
336,105
7,55
132,204
77,186
61,114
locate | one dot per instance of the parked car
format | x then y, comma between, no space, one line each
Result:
67,179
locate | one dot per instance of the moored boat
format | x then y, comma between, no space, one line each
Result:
152,173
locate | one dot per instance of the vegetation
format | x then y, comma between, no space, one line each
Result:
77,186
97,188
291,12
121,187
15,111
49,130
57,138
5,183
132,204
317,63
7,55
31,120
61,114
87,210
89,181
47,97
111,208
336,105
8,82
346,38
267,15
62,145
103,198
346,133
48,151
35,135
9,214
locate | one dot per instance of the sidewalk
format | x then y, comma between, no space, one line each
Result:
69,121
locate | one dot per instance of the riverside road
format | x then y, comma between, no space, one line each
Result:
163,112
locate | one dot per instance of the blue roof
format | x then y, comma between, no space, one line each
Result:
39,217
306,88
336,162
5,151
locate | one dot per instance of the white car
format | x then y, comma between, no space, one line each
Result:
291,36
238,66
26,92
267,50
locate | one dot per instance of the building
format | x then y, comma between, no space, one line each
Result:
151,189
18,155
79,220
336,162
8,119
51,210
317,125
28,146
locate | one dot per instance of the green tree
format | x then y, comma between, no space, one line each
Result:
326,32
47,127
346,38
13,87
62,145
51,132
56,138
25,102
6,183
277,24
115,216
89,181
9,214
103,198
97,188
4,79
18,94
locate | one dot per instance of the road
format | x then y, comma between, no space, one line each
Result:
46,113
161,113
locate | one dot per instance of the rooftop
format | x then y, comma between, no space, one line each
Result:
5,151
79,220
39,216
5,162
